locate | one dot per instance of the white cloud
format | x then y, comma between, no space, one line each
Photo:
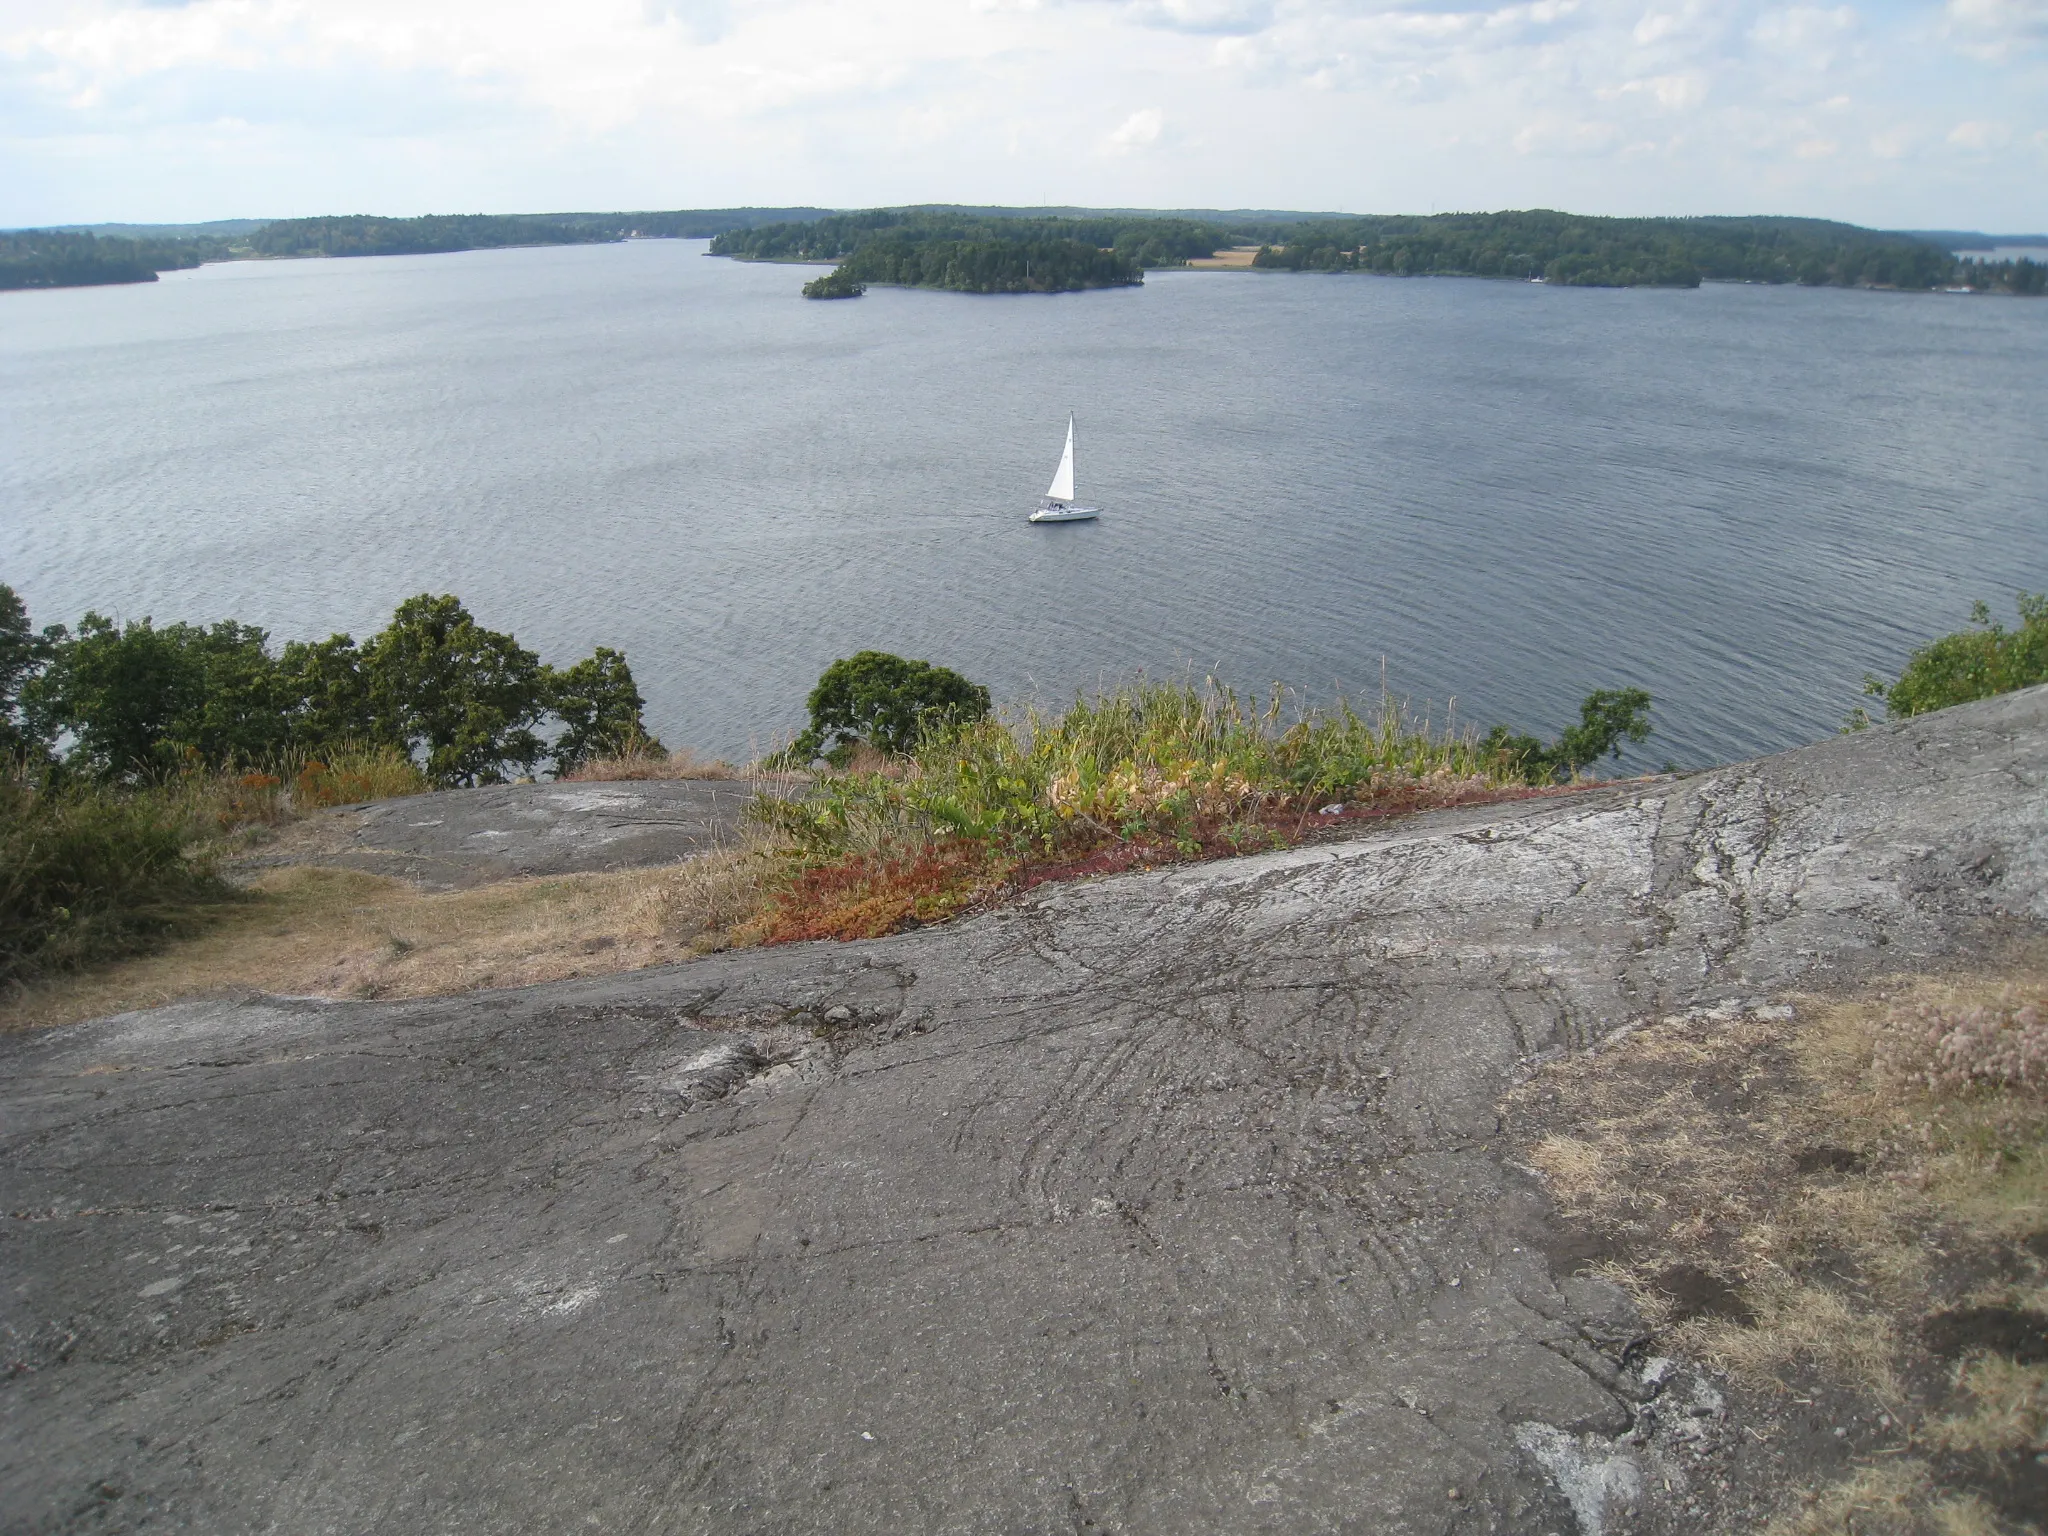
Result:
1566,137
1140,130
1674,93
1998,27
116,109
1979,136
1211,16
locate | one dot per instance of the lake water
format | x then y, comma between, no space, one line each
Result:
1741,498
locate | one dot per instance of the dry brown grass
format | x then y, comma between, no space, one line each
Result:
1831,1197
1897,1498
2007,1408
341,933
679,764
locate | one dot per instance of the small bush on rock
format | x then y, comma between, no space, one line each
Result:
1976,663
1607,718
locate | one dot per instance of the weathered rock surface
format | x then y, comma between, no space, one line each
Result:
456,838
1167,1203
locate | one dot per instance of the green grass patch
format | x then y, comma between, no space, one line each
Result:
1144,773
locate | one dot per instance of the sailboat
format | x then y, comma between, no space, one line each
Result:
1057,504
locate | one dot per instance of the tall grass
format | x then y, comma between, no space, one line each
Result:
348,774
88,873
627,764
1153,761
1172,768
92,871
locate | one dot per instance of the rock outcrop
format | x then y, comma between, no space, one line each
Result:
1171,1202
456,838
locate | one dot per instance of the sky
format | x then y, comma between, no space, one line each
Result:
1893,114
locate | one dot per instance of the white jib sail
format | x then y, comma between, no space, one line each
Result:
1063,477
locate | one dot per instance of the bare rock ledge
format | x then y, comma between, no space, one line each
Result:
456,838
1172,1202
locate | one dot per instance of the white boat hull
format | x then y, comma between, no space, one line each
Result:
1060,512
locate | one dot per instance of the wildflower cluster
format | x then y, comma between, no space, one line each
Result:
2002,1043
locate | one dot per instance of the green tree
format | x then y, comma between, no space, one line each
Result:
462,699
1607,718
328,689
23,655
599,707
834,285
1974,663
887,702
142,701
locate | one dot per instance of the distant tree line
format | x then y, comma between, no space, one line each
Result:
363,234
2021,276
682,223
1574,250
72,259
997,250
39,258
136,702
1139,241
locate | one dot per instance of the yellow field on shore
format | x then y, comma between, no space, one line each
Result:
1238,257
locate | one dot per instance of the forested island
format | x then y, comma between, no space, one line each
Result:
984,252
995,250
83,258
975,251
42,258
1622,253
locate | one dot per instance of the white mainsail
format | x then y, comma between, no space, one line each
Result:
1063,477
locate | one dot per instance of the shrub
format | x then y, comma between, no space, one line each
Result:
646,760
888,702
89,873
1975,663
870,895
1145,771
1608,717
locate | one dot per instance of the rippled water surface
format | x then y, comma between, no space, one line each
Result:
1740,498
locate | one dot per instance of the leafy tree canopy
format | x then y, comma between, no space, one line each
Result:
23,654
836,284
599,707
461,699
468,704
140,701
887,702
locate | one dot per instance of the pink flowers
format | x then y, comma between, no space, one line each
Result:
2000,1044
